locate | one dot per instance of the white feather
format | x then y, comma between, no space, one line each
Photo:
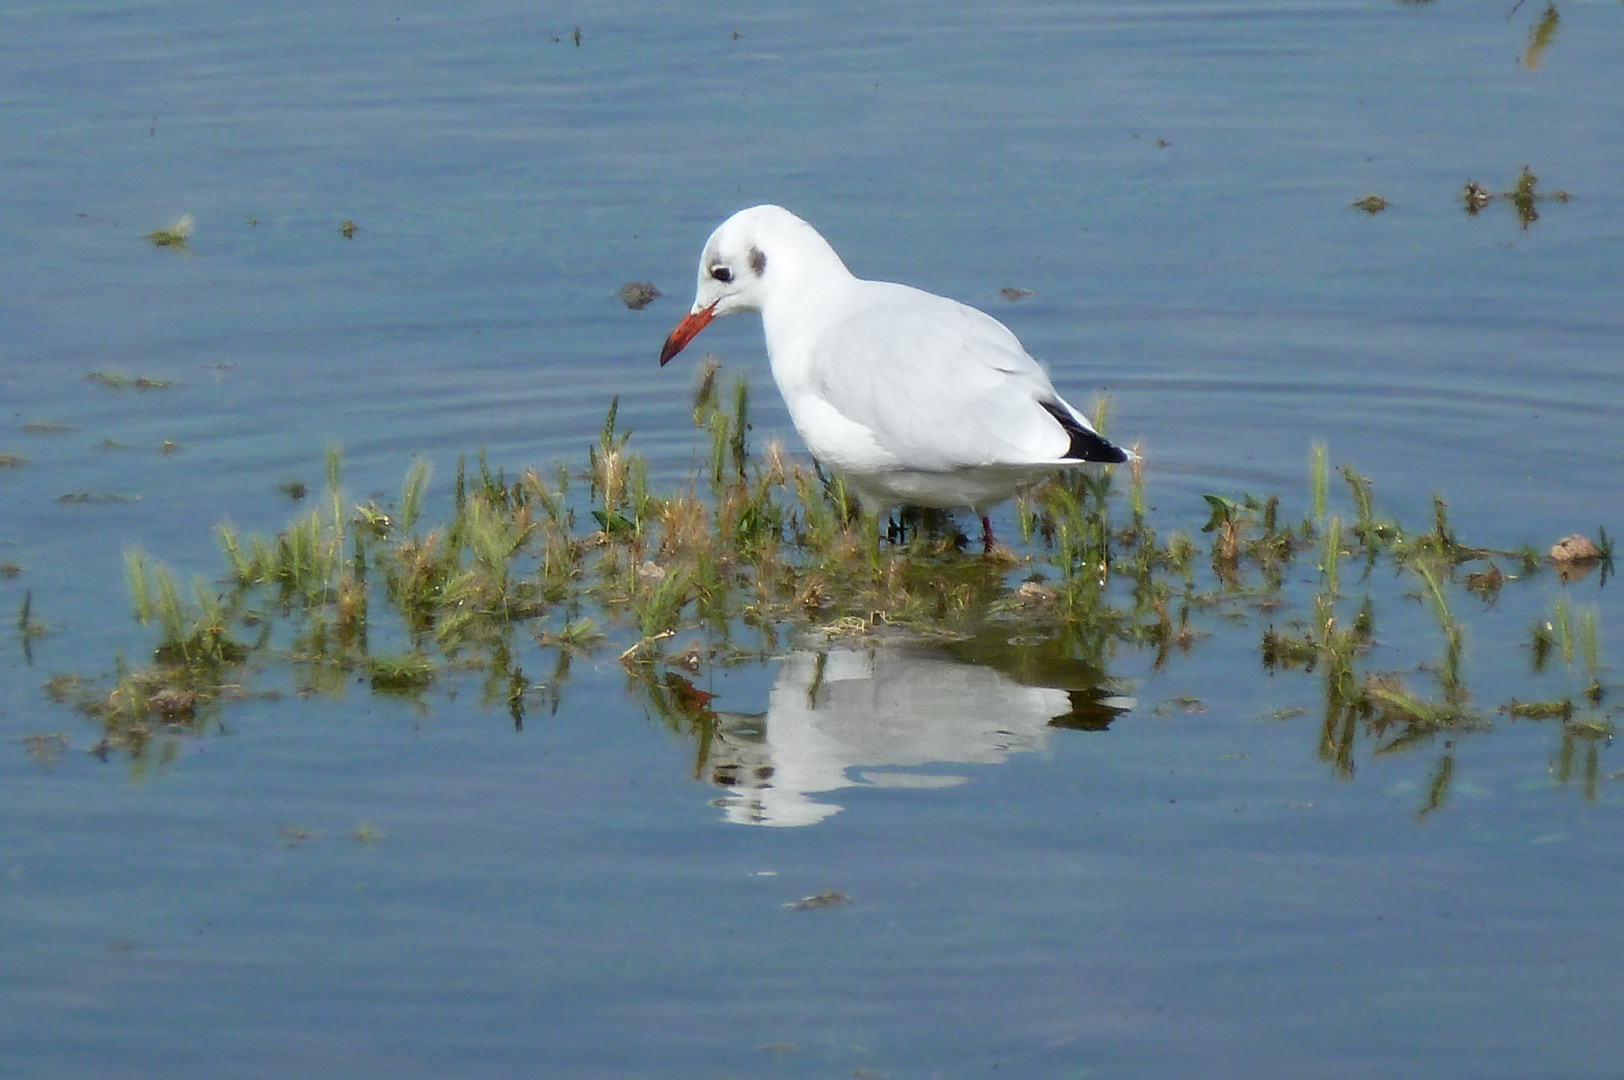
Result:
909,397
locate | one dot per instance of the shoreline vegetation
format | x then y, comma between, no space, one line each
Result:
755,551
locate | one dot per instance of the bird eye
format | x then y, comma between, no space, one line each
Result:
721,273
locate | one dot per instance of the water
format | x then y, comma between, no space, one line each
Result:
1182,893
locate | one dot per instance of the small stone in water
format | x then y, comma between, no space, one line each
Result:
1575,548
173,704
1035,595
637,295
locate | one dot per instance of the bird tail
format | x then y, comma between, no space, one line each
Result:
1086,443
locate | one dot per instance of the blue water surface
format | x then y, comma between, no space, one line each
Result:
364,887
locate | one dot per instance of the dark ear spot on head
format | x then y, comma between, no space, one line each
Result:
758,261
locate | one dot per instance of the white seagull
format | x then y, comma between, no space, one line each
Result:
910,398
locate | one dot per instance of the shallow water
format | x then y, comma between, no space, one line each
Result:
1181,893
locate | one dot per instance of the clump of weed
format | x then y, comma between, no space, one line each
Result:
1539,710
177,235
404,675
194,633
112,380
1540,37
91,498
28,626
1319,474
1474,197
1524,196
194,666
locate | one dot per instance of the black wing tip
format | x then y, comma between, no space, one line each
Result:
1085,445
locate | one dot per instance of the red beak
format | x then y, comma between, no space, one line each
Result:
691,325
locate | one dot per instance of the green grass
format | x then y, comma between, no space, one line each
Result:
755,549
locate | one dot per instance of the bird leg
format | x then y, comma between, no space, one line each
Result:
986,535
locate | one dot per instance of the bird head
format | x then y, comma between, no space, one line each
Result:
745,259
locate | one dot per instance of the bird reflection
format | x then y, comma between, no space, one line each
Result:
845,717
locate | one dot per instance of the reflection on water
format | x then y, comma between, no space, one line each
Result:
844,717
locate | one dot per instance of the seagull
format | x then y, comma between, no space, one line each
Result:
907,397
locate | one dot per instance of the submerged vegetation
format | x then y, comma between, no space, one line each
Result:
177,235
1540,37
112,380
755,551
1523,197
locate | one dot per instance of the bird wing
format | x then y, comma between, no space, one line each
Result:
939,385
